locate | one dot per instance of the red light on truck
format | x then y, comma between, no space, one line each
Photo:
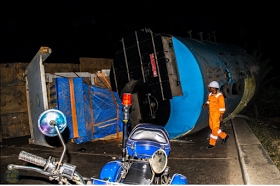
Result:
127,99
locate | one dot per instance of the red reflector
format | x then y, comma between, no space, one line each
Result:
127,99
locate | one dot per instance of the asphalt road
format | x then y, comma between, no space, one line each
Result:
240,161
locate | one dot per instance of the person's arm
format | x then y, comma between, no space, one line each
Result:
205,105
222,107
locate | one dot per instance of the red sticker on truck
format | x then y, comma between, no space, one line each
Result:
153,63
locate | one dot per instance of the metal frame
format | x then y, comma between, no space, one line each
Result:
37,94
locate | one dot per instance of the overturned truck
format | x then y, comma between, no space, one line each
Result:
168,77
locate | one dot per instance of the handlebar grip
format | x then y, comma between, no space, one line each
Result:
31,158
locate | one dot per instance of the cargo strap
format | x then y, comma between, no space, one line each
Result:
103,76
73,108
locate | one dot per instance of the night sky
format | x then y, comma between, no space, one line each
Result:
78,28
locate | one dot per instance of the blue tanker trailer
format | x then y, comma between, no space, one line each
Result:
168,77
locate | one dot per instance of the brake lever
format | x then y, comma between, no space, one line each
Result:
35,169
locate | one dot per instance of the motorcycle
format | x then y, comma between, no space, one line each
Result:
144,155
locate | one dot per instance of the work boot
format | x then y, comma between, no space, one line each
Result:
225,140
210,147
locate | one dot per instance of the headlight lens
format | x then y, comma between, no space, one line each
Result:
158,161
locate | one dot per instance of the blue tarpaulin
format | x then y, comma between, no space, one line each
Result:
92,112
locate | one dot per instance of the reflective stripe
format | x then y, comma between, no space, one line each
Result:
214,137
222,109
219,131
217,95
207,102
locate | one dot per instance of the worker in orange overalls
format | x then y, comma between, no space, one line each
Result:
216,103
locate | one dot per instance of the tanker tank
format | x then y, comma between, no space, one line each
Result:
168,75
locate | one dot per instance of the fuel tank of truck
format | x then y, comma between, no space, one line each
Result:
168,77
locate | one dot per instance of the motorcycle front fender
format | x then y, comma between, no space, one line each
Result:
111,171
178,179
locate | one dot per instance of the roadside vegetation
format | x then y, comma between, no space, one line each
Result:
264,111
267,126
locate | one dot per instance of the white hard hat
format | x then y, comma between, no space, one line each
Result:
214,84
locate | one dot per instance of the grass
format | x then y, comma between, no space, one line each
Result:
269,138
264,109
265,122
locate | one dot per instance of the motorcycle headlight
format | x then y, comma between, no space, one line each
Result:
158,161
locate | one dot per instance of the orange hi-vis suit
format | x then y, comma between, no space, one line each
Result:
216,104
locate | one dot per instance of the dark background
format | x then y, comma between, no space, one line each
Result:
78,28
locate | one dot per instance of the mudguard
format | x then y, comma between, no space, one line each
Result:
178,179
111,171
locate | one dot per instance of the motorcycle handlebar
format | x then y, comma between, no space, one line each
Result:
57,175
31,158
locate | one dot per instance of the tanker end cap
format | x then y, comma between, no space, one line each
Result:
45,50
214,84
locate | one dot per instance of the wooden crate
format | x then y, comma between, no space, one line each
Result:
93,65
14,111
